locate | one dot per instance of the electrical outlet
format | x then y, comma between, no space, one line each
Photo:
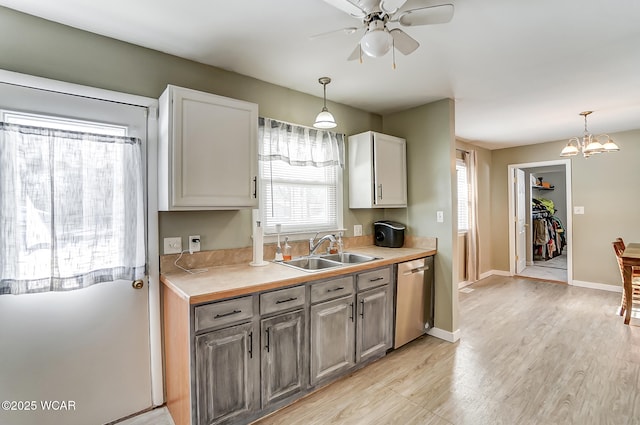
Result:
173,245
578,210
357,230
440,216
194,243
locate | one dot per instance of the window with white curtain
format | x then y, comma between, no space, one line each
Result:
463,195
71,204
300,177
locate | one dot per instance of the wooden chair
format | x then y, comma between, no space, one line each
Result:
618,248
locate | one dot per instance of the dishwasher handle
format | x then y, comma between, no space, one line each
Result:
416,270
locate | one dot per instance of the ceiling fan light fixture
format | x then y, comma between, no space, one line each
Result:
324,119
377,41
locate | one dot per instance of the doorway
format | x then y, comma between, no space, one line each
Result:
540,236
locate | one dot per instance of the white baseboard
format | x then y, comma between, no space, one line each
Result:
495,272
463,284
595,285
445,335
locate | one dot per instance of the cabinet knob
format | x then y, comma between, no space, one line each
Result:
137,284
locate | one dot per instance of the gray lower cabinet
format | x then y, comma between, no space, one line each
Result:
373,330
283,356
332,338
227,374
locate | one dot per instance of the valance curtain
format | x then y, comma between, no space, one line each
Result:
300,177
71,209
298,145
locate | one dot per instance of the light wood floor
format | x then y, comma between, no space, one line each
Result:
531,352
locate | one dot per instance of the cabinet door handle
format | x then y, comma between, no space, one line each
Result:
287,300
231,313
380,191
375,279
339,288
351,317
255,187
268,340
362,311
250,345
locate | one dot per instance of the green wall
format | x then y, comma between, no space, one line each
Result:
431,180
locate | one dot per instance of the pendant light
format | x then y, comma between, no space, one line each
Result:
325,118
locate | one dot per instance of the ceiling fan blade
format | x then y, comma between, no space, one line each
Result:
391,6
426,15
356,54
403,41
349,7
348,30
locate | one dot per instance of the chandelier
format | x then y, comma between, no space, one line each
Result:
589,144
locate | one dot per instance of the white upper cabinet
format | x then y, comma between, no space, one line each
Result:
377,171
207,151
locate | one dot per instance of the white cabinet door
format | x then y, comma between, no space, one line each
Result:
390,171
377,171
208,151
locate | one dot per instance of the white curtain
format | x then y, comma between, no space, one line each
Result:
298,145
473,253
71,209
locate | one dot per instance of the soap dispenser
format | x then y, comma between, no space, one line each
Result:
286,254
340,244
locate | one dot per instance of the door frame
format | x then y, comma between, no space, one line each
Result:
153,259
512,213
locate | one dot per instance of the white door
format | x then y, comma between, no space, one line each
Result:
520,221
83,356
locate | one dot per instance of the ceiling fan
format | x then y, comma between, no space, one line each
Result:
378,38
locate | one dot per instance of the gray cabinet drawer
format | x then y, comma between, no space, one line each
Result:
330,289
374,278
283,299
222,313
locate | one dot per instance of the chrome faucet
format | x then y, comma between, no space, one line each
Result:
313,247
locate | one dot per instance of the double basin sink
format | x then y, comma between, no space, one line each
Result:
327,261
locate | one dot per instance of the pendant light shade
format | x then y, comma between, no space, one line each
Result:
325,118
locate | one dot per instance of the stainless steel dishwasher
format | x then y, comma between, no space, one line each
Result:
414,300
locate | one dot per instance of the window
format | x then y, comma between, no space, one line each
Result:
463,195
300,178
72,204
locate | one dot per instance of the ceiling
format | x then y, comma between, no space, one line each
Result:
520,72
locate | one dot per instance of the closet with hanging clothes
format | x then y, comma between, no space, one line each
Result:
548,230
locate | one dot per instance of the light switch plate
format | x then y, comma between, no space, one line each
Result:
440,216
578,210
357,230
173,245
